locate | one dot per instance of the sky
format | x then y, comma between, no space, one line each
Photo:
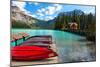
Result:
48,11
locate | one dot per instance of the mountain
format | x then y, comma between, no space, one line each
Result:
50,24
46,24
70,13
22,20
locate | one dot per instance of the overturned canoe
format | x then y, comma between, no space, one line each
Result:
35,44
30,53
42,39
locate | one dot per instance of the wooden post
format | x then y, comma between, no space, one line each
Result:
15,42
23,38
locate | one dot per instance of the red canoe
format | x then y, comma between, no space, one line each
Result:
42,39
30,53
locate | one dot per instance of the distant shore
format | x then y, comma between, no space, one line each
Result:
83,33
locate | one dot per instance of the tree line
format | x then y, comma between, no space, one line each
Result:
86,22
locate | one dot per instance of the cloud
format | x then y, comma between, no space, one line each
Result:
33,15
48,18
49,11
30,2
91,11
36,3
40,14
43,9
54,9
39,11
21,6
44,13
58,7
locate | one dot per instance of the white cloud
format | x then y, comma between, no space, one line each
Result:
39,11
33,15
58,7
46,12
48,18
43,9
91,11
49,11
21,5
54,9
30,2
36,3
40,14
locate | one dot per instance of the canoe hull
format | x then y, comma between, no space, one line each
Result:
24,53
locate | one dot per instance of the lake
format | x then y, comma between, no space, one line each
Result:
70,47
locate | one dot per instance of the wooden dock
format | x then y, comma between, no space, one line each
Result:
46,61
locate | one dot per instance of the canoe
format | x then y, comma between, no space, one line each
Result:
46,36
43,41
35,44
30,53
42,37
38,41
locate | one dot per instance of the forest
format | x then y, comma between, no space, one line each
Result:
86,23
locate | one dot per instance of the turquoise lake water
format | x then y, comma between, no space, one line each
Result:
70,47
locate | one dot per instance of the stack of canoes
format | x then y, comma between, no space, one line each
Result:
34,48
30,53
43,41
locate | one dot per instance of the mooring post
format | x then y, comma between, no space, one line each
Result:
15,42
23,38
